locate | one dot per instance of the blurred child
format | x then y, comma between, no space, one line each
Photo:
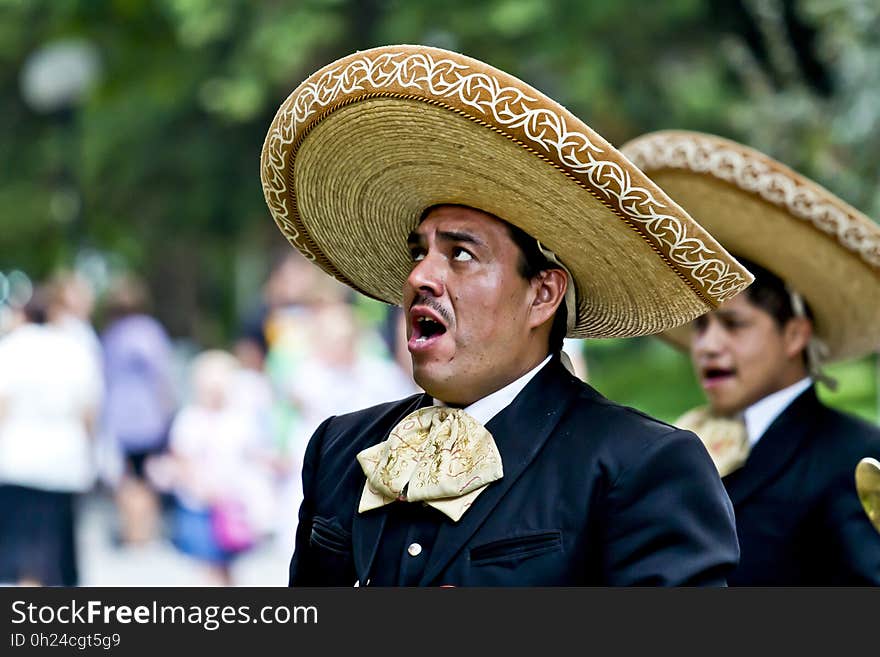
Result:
223,496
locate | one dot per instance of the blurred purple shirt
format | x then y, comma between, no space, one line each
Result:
140,396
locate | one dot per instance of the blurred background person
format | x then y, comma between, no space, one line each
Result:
223,495
75,297
75,300
50,388
289,290
140,402
345,366
274,338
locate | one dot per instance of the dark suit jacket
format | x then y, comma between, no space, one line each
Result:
797,511
592,494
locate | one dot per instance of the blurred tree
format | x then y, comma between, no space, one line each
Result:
167,143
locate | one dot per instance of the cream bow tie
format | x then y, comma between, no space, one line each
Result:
437,455
726,439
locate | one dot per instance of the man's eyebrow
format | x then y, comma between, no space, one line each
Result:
457,236
728,314
416,238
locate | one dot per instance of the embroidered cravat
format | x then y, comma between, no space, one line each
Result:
437,455
726,439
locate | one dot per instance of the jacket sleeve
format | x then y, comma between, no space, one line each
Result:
301,562
668,519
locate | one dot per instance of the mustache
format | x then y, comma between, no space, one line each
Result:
422,300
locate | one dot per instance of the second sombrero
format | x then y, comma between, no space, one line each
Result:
360,149
762,211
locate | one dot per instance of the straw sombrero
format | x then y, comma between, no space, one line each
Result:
363,146
761,210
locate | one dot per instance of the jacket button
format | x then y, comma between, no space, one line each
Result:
414,549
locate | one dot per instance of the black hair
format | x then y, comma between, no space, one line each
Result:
531,263
36,310
770,293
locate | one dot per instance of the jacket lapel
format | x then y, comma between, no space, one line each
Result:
775,449
520,430
366,530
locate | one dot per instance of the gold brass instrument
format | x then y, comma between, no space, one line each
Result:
868,487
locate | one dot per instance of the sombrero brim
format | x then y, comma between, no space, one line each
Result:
761,210
359,150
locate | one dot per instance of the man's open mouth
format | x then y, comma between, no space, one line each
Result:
716,375
426,327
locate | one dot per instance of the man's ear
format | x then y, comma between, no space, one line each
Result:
796,335
550,286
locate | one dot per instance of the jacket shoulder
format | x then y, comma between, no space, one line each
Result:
620,419
847,435
626,438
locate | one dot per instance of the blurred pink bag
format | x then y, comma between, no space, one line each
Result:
232,528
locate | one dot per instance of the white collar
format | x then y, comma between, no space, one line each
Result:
489,406
760,415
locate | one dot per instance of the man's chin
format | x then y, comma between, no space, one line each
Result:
435,383
428,381
725,408
421,373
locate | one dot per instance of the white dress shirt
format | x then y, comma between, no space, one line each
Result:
489,406
760,415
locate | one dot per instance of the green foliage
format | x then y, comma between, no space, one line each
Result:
654,377
858,388
163,150
645,373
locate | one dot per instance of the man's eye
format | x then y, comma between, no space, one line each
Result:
417,255
461,255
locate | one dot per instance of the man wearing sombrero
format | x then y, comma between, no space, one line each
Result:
501,223
788,461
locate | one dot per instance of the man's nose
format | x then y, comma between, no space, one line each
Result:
427,276
710,339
